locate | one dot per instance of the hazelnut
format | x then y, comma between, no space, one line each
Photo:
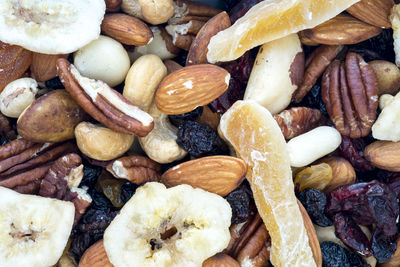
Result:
103,59
17,95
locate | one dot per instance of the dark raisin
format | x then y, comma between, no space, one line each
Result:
240,204
356,260
241,8
200,140
54,83
189,116
352,150
79,244
90,175
334,255
394,183
181,58
100,201
383,246
313,99
314,201
351,234
128,189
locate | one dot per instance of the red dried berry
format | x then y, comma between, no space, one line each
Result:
352,150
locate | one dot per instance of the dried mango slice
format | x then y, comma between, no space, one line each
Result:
258,140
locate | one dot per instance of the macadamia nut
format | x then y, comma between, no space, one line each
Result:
17,96
310,146
386,126
103,59
101,143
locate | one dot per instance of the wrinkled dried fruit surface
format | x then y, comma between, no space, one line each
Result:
200,140
352,149
317,176
111,188
314,201
190,116
383,246
333,255
313,99
239,200
356,260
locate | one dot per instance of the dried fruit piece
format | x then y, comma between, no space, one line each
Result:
314,201
352,150
270,20
257,139
334,255
316,176
239,200
383,246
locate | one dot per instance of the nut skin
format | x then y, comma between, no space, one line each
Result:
126,29
220,260
51,118
198,49
95,256
113,5
373,12
340,30
388,76
298,120
350,93
384,155
315,65
43,66
342,172
101,143
217,174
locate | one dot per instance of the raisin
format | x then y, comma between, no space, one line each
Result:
394,183
241,8
79,244
351,234
352,150
111,188
334,255
383,246
314,201
316,176
128,189
54,83
100,201
356,260
313,99
190,116
240,204
200,140
90,174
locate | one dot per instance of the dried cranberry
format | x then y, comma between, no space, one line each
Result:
240,69
334,255
394,183
240,204
383,246
314,201
200,140
351,234
241,8
366,203
352,150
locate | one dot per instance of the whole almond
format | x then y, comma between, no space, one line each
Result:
374,12
187,88
95,256
342,172
384,155
43,66
198,49
126,29
340,30
220,260
217,174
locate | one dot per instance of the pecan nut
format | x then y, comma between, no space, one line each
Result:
350,93
136,169
298,120
103,103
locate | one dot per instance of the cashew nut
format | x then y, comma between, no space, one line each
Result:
386,125
154,12
18,95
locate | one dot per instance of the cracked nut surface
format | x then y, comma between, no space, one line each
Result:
350,93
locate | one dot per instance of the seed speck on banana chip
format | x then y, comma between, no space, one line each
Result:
34,230
179,226
50,26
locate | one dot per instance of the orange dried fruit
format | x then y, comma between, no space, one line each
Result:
270,20
258,140
317,176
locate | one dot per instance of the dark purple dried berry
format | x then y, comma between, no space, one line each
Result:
100,201
225,101
79,244
313,99
356,260
394,183
241,8
314,201
383,246
128,189
351,234
90,175
240,204
352,150
334,255
200,140
190,116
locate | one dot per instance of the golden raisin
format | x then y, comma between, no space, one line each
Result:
316,176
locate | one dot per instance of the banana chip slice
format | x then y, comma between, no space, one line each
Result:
179,226
50,26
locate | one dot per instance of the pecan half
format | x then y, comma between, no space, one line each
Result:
103,103
296,121
316,64
136,169
350,93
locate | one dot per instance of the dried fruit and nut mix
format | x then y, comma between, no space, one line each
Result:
199,133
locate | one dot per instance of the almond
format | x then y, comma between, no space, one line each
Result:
384,155
198,49
340,30
220,260
342,172
374,12
312,235
187,88
95,256
217,174
126,29
43,66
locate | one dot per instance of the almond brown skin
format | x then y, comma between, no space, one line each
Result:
43,66
384,155
373,12
126,29
51,118
95,256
